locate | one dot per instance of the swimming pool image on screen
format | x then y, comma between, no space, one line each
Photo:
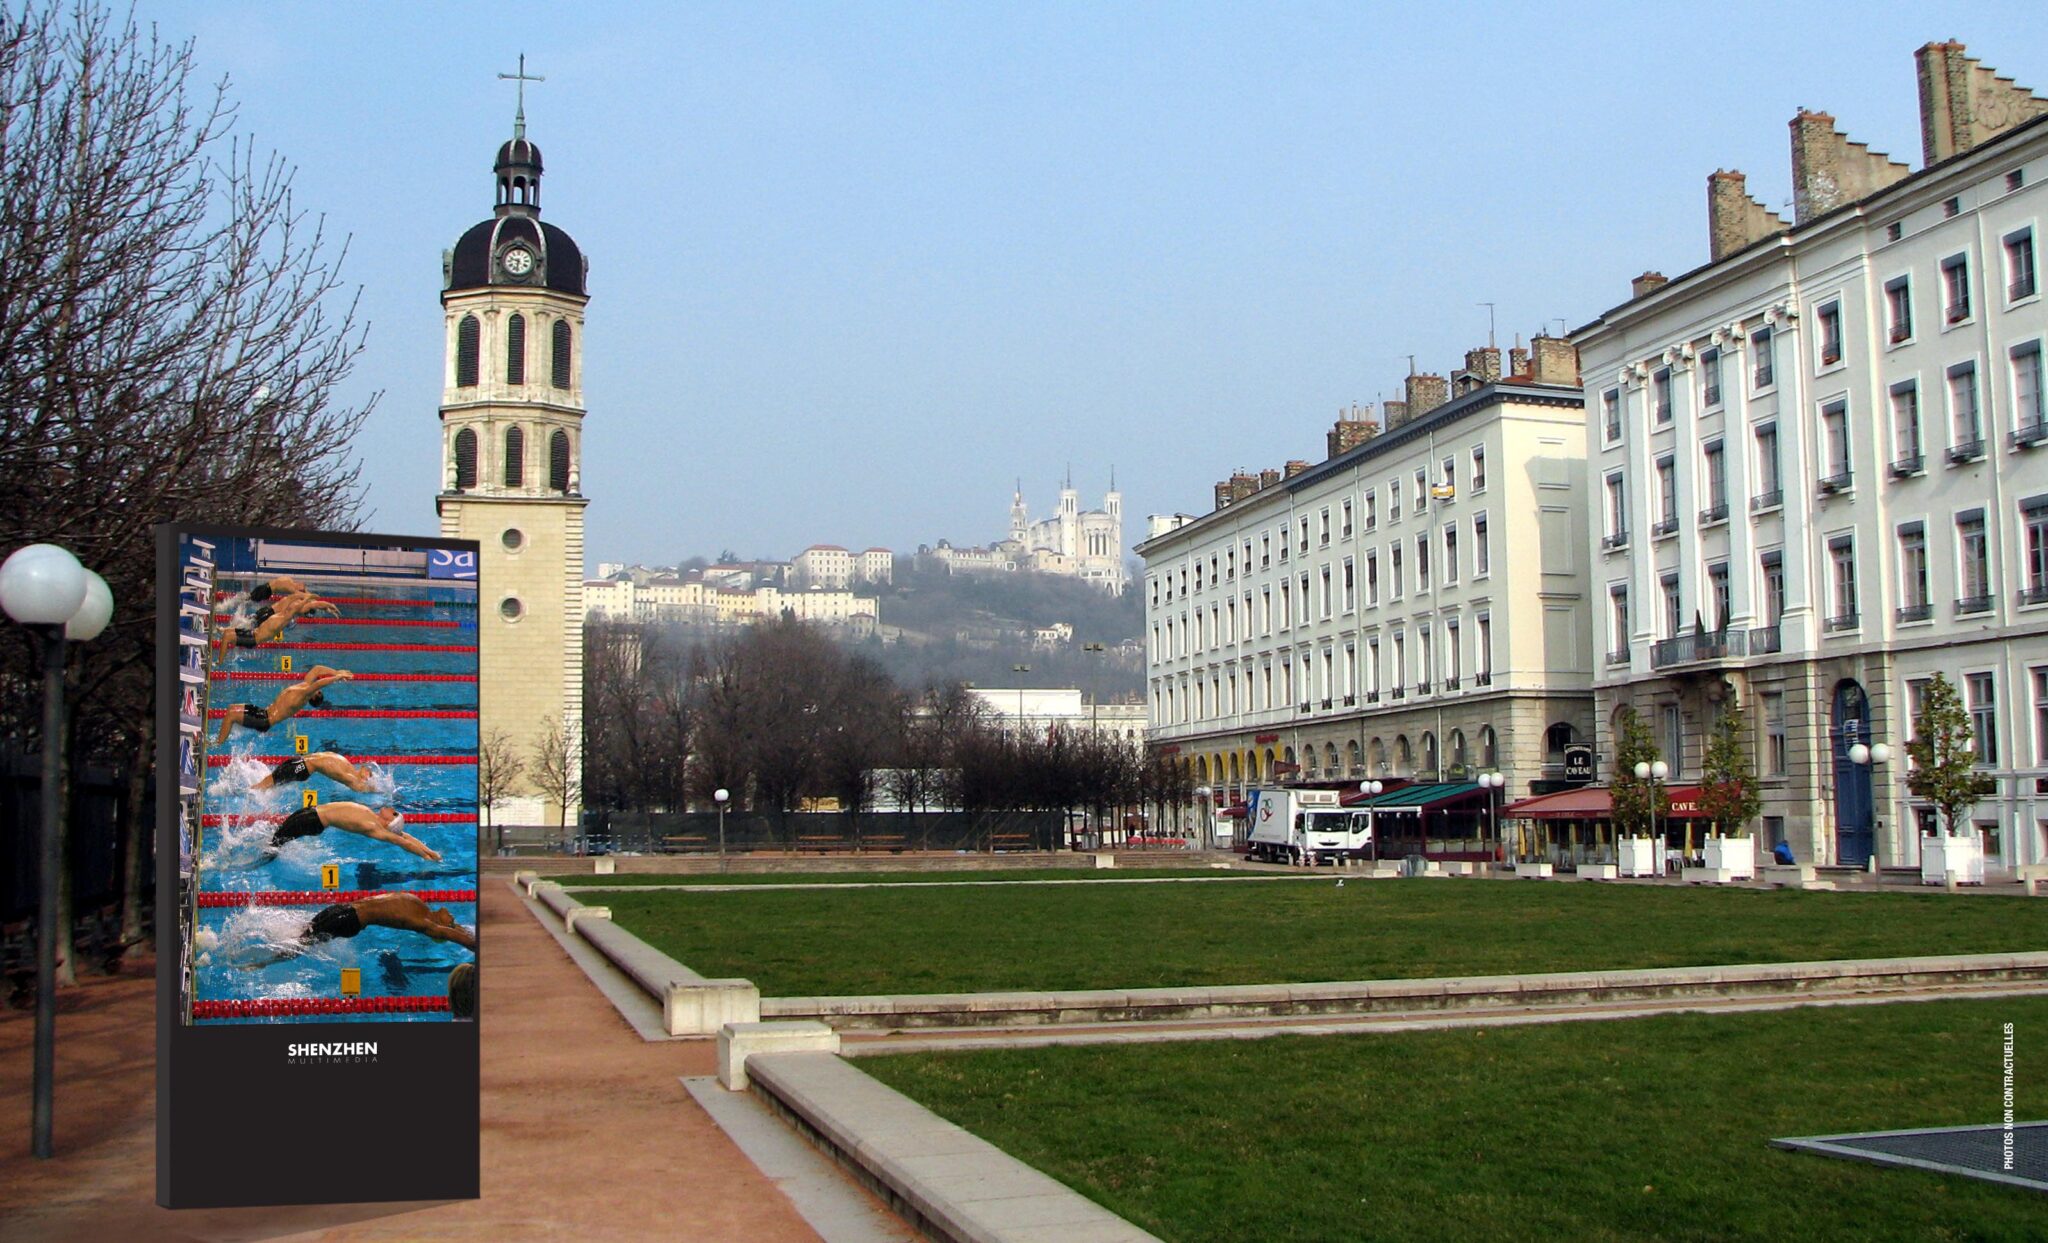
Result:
335,860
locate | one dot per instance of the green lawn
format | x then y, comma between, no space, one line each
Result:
894,878
921,939
1640,1129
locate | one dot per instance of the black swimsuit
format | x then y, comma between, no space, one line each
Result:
305,822
293,769
339,920
256,718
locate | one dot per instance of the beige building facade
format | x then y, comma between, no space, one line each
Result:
513,303
1412,606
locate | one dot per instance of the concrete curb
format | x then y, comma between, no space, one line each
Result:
690,1004
938,1177
1024,1009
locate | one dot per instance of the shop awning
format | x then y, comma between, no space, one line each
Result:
1236,811
1420,798
1595,803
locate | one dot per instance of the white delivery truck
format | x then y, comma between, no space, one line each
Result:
1305,827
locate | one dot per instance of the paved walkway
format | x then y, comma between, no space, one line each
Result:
621,1151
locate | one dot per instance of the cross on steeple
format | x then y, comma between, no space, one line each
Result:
522,78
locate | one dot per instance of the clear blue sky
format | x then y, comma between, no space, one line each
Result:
856,268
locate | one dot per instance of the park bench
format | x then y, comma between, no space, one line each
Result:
892,842
682,842
823,843
1012,841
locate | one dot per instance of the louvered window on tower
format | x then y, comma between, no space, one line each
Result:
561,353
465,459
467,337
558,461
515,350
515,457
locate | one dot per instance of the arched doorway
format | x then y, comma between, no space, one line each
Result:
1855,810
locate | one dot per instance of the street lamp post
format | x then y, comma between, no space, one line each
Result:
1863,757
1020,698
44,588
1654,773
1209,815
1369,788
721,796
1493,783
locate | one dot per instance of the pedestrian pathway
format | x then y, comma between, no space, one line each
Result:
588,1131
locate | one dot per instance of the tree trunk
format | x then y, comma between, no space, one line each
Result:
141,818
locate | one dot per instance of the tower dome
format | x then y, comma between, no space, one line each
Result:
514,247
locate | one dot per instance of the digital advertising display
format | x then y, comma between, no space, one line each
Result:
317,866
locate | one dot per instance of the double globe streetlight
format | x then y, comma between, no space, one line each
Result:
1654,772
1493,783
44,588
1370,788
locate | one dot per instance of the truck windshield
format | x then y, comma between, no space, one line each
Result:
1330,822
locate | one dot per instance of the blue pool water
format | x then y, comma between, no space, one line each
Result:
240,951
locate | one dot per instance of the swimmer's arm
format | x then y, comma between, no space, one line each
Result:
456,933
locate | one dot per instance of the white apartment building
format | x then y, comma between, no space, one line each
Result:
1820,474
824,565
1413,606
693,601
1035,711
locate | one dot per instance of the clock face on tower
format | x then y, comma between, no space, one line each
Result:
518,262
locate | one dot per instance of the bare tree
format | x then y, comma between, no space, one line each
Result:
552,767
499,772
171,337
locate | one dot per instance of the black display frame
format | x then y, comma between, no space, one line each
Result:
240,1122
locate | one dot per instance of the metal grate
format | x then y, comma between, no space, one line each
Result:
1972,1151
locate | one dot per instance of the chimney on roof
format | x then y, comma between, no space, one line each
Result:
1646,283
1963,103
1351,430
1223,497
1425,392
1828,170
1735,220
1268,477
1482,367
1393,414
1518,359
1295,466
1555,361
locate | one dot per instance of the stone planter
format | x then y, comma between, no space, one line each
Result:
1639,856
1533,871
1942,855
1735,856
1599,871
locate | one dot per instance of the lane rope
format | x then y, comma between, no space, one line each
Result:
217,761
325,897
374,601
291,1007
371,714
300,646
433,623
271,675
242,820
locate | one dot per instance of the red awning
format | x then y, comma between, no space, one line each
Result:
1234,812
1595,803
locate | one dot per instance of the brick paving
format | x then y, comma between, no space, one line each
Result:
586,1130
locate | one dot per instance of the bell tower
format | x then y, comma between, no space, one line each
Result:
512,300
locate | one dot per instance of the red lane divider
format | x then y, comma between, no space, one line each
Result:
216,761
411,817
271,675
375,714
431,622
367,647
325,897
294,1007
376,600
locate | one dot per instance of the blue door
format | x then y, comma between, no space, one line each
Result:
1855,815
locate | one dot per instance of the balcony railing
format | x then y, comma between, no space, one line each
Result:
1764,640
1914,613
2021,288
1372,697
1966,451
1422,688
2037,594
1973,604
1667,525
1766,500
1912,464
1619,656
1714,515
1400,692
1328,704
1483,679
1690,648
1617,540
1843,621
2029,434
1450,684
1837,482
1351,701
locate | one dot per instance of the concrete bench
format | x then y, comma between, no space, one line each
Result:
2031,875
